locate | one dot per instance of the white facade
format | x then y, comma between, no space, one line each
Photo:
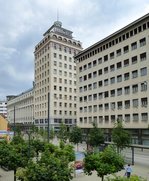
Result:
55,73
113,81
3,108
22,107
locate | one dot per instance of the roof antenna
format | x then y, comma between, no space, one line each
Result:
57,15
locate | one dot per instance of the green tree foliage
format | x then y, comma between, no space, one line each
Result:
95,136
63,134
52,134
75,135
106,162
53,165
13,156
120,136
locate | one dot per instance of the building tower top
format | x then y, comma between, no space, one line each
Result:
58,29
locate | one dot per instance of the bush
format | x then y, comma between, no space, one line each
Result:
120,178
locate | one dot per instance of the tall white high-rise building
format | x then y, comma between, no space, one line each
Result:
55,75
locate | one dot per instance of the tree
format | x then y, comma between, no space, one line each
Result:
53,165
120,136
106,162
52,134
13,156
75,135
63,134
95,136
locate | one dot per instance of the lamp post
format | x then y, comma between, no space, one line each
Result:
14,123
48,135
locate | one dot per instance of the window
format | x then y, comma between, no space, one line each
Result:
127,117
119,78
85,67
90,87
106,118
106,70
100,95
126,49
134,60
126,62
119,91
112,55
144,116
127,104
94,74
112,68
60,56
100,72
143,56
144,102
134,46
100,119
99,60
135,117
94,85
126,76
112,80
89,76
106,94
105,58
118,52
54,55
100,107
112,106
134,74
144,86
105,82
100,83
112,118
135,88
106,106
90,98
119,105
89,65
94,63
127,90
112,93
90,108
142,42
95,108
143,71
135,103
119,65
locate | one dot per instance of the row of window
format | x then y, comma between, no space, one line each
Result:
60,112
113,67
106,119
65,73
143,72
56,96
127,89
70,67
55,46
116,105
65,104
114,92
61,88
65,81
45,121
103,46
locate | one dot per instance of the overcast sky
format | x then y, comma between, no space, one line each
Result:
23,22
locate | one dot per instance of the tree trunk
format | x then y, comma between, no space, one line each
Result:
102,178
15,175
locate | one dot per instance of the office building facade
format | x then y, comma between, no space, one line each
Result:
113,82
3,108
55,75
21,108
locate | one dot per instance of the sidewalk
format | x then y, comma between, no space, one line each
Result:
137,170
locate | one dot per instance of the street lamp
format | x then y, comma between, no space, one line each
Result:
48,117
28,132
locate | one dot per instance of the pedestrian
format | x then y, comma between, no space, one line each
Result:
128,171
